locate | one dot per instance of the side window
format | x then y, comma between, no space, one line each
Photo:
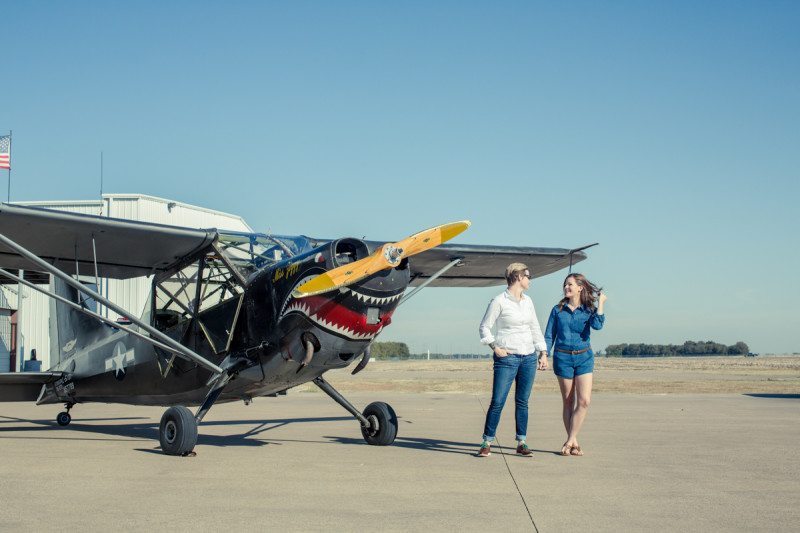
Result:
175,297
218,283
207,292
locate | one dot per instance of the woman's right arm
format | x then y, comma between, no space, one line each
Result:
599,317
550,330
485,329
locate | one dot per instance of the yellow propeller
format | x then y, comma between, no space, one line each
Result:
388,255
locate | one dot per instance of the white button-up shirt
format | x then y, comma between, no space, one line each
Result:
517,328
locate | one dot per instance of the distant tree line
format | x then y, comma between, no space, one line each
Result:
687,348
384,350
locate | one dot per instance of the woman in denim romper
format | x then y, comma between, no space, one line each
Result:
569,327
517,339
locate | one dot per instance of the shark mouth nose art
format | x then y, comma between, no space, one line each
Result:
346,312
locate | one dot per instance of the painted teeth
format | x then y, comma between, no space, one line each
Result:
372,300
297,305
284,309
336,328
300,307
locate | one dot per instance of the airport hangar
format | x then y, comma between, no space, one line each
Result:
25,313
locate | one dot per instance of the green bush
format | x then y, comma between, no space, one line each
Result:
384,350
667,350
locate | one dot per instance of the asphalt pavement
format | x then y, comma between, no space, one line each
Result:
299,463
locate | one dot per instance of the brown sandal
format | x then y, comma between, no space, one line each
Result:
566,450
576,450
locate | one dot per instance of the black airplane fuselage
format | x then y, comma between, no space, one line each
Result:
269,332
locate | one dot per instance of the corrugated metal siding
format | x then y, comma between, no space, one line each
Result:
86,207
129,294
34,314
162,211
7,297
126,208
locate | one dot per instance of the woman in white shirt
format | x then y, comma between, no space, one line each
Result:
517,339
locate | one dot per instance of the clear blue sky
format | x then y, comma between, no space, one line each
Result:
668,132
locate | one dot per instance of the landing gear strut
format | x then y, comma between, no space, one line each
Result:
177,431
64,418
378,422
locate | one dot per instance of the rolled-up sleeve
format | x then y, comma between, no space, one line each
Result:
550,330
597,321
536,331
489,318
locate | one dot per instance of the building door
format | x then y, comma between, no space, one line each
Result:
6,336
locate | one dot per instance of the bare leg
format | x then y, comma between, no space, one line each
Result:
583,388
567,387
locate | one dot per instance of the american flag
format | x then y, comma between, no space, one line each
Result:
5,152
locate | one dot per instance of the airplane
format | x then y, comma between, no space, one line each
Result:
231,316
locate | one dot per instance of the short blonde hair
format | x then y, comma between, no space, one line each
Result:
513,271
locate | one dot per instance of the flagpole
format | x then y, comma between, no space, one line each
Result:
8,198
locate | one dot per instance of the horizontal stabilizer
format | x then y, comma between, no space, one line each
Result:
24,386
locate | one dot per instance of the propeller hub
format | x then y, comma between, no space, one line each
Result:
393,255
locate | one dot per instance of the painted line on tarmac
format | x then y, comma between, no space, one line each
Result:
516,485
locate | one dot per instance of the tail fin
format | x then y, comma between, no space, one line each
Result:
71,330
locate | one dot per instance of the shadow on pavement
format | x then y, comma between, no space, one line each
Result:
417,443
147,430
768,395
48,429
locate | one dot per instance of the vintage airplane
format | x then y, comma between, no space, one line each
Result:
231,316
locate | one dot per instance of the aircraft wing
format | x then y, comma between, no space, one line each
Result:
125,249
24,386
485,265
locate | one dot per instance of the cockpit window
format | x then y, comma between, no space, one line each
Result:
248,252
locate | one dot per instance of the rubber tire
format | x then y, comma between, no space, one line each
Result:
177,431
63,419
387,424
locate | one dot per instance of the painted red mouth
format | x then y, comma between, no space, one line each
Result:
337,318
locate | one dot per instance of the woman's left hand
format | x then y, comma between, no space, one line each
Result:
601,298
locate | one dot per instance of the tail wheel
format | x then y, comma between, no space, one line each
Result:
177,431
382,428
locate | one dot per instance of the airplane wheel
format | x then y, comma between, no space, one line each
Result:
177,431
63,418
383,424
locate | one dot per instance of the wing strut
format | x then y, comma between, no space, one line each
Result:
448,266
578,250
66,278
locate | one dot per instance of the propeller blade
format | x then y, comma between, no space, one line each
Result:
387,256
431,238
342,276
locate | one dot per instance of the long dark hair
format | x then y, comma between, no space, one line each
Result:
588,294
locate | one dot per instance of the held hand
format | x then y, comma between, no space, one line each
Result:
601,298
543,365
500,352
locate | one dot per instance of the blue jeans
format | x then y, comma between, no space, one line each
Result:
514,367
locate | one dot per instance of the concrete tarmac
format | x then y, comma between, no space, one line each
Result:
298,463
